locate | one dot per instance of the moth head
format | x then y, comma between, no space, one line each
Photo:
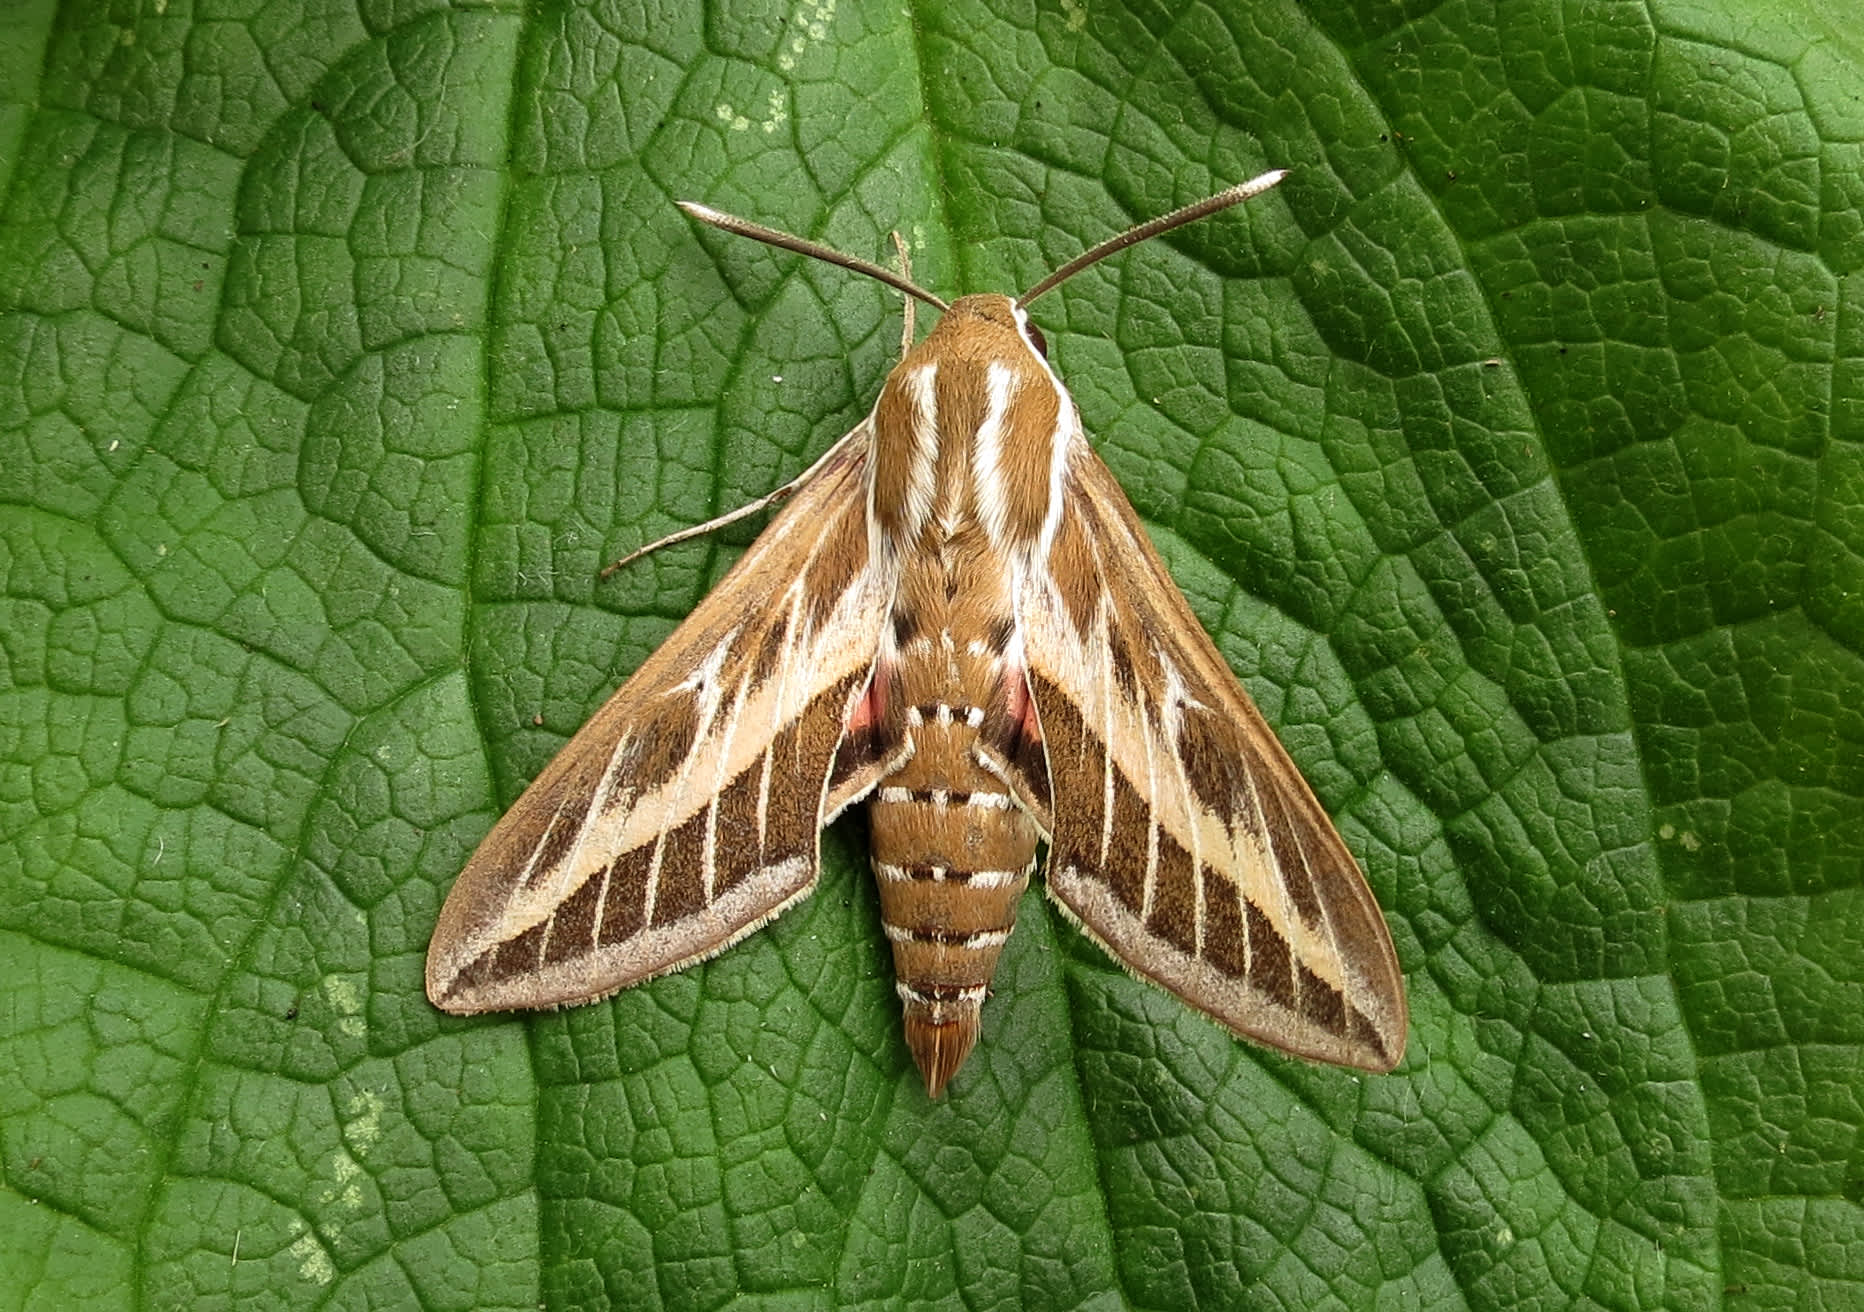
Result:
987,326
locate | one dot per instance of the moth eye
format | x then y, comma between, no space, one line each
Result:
1036,339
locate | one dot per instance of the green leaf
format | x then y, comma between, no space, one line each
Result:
1510,449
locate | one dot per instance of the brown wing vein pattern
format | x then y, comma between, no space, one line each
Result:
694,813
1200,858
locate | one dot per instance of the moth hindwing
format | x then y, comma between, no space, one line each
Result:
958,619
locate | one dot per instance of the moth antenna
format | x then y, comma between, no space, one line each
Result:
1191,213
803,246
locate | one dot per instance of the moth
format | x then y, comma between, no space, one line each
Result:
957,620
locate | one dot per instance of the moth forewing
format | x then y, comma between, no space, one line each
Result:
688,810
1184,839
959,618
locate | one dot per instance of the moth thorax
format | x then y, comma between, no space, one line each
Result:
967,431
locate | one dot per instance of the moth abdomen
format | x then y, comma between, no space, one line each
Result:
952,853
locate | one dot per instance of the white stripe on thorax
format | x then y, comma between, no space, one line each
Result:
988,484
922,469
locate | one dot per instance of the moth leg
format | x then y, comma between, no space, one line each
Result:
698,530
748,509
906,272
783,493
